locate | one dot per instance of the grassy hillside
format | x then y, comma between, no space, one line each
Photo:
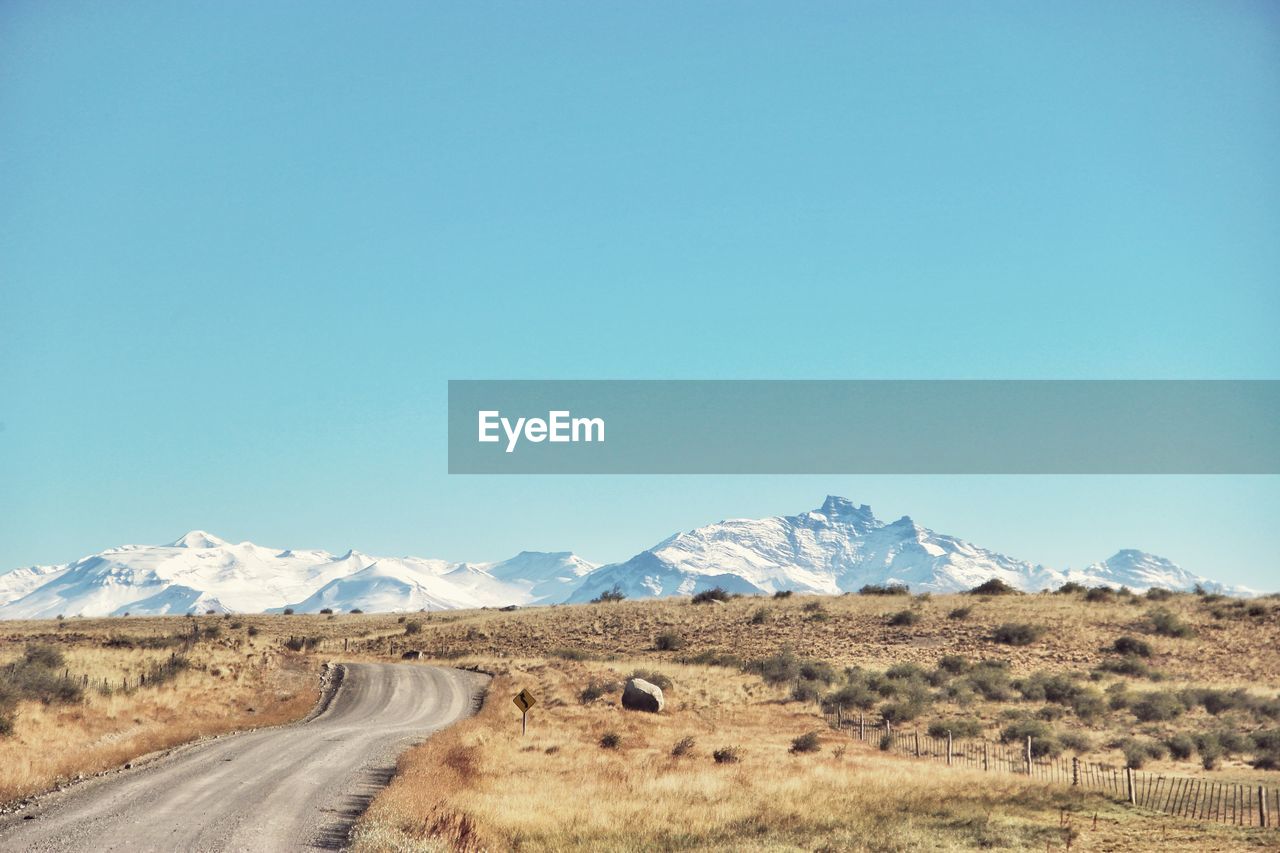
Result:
1181,683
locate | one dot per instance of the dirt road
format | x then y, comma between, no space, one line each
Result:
296,787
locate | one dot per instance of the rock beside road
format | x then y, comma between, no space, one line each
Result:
640,695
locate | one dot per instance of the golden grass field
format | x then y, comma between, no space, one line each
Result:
480,785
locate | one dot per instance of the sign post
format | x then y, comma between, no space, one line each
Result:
524,701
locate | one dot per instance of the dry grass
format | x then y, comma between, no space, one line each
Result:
227,687
481,786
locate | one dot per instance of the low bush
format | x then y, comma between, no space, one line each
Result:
959,728
1159,593
1137,751
1076,741
654,677
668,641
1089,705
566,653
807,742
960,613
855,695
413,626
594,690
1131,666
805,691
610,596
1044,743
954,664
1017,634
904,618
783,593
1180,746
709,595
885,589
1069,588
990,680
995,586
684,746
326,611
1100,595
610,740
1168,624
1158,707
760,617
727,755
1132,646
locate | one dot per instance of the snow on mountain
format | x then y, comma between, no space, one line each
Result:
200,572
840,547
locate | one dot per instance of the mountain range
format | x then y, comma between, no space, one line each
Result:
838,547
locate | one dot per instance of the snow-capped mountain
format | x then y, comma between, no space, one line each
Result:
202,572
840,547
836,548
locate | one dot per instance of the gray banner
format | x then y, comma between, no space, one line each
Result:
863,426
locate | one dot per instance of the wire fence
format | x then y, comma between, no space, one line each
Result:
1235,803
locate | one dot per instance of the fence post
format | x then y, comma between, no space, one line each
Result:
948,747
1262,806
917,743
1028,756
1128,782
986,755
862,726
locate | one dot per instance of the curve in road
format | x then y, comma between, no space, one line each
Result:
296,787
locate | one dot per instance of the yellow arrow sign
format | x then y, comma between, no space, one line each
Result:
524,701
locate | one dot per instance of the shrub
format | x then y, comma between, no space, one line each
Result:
990,679
1100,595
325,611
807,742
288,611
1131,666
1043,741
610,596
886,742
1211,751
817,670
709,595
955,664
1017,634
1137,751
253,631
995,586
960,613
760,617
1167,624
413,626
653,677
783,593
566,653
1075,741
805,691
301,644
903,711
904,617
727,755
1180,746
885,589
594,690
1069,587
904,672
43,655
1158,707
1132,646
684,746
668,641
356,610
610,740
851,696
959,728
1158,593
1089,705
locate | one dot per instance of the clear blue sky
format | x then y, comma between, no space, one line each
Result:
244,245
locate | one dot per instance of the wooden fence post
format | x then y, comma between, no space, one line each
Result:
986,755
917,743
862,726
948,747
1128,781
1028,756
1075,770
1262,806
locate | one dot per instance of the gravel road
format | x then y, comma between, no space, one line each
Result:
296,787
